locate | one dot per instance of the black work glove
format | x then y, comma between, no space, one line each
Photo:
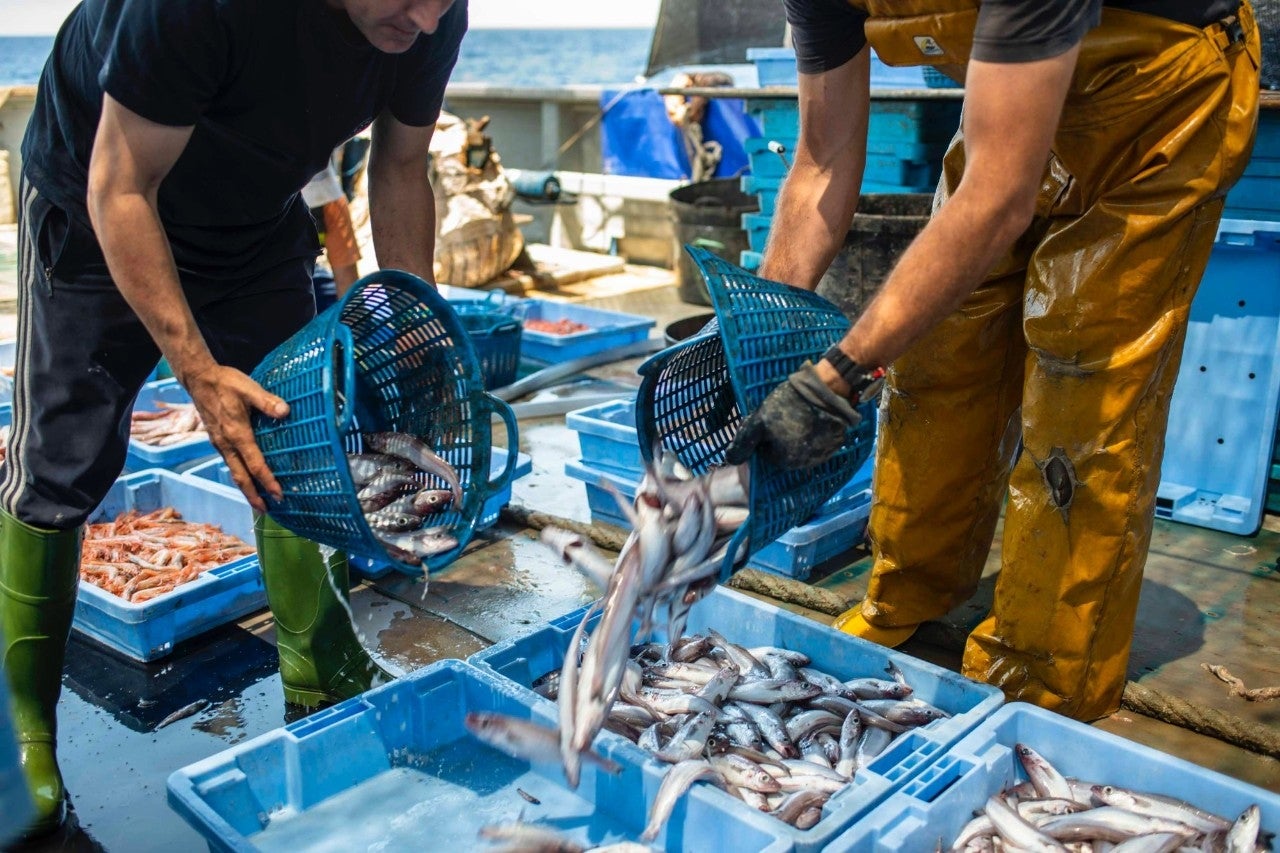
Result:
800,424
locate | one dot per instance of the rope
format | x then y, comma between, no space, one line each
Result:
1137,698
1197,718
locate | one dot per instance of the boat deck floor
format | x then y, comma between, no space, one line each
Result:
1208,598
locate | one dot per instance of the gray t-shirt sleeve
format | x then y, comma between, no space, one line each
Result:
1027,30
825,33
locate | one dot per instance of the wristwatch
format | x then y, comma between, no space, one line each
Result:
864,383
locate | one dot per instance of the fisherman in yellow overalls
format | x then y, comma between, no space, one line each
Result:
1044,306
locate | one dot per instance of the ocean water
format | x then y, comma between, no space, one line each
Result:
541,58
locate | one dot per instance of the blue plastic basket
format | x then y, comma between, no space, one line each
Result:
390,356
935,806
149,630
694,395
396,769
496,337
16,808
750,622
607,436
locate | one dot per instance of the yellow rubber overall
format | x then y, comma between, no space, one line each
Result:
1071,346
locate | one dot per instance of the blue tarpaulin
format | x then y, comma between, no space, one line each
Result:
639,140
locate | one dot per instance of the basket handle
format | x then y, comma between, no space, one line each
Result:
344,376
513,442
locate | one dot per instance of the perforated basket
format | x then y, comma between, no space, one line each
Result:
390,356
496,337
694,395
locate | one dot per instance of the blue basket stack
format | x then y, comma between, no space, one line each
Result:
906,140
392,356
693,396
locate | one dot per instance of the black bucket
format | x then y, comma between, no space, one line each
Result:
708,214
686,328
883,227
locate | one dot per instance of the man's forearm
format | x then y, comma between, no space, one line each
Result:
814,209
402,209
141,264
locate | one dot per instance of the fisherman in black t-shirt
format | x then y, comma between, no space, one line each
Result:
160,214
1044,306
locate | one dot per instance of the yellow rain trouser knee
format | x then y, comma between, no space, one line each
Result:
1072,345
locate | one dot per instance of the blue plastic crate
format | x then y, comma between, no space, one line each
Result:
1257,194
396,769
912,165
838,526
1222,418
775,66
150,630
750,622
750,261
215,470
757,227
141,456
934,806
889,122
608,329
607,436
16,808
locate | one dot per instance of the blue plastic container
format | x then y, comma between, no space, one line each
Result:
16,808
750,261
390,356
607,436
1222,418
775,66
496,337
913,165
608,329
140,455
1257,194
150,630
395,769
934,806
751,622
837,527
216,471
694,395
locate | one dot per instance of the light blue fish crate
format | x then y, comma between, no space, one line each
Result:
775,66
839,525
216,471
1222,417
149,630
141,456
750,261
606,330
16,808
935,805
607,436
396,769
750,622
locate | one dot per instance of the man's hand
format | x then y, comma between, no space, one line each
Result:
224,397
800,424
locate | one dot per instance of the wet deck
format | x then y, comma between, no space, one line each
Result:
1208,597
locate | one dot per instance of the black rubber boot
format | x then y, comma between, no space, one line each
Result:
39,576
321,658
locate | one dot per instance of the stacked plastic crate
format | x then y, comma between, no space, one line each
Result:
610,448
906,139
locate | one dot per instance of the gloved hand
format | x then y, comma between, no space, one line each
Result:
800,424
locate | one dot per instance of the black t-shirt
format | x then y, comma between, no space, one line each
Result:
828,33
271,87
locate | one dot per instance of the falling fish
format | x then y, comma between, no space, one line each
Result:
525,739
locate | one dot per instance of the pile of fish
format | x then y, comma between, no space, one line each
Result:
172,423
681,528
1050,812
761,723
398,500
556,327
139,556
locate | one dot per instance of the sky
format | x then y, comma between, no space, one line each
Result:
42,17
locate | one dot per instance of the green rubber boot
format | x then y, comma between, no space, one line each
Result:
321,658
39,575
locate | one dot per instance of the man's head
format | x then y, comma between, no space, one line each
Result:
392,26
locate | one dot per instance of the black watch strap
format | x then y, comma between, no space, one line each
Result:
864,383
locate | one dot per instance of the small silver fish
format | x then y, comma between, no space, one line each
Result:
525,739
416,452
388,520
182,713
